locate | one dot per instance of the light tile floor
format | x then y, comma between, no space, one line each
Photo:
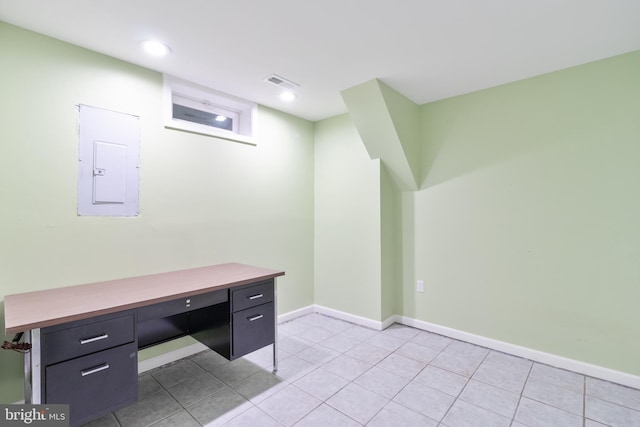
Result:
334,373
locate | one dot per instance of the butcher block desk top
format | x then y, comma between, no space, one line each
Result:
32,310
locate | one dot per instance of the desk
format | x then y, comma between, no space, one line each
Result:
85,338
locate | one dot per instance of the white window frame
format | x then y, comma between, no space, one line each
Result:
191,95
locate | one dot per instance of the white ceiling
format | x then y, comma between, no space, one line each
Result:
425,49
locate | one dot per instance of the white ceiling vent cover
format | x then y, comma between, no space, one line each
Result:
281,82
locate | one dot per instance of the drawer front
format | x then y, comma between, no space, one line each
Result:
182,305
96,384
253,329
65,344
251,296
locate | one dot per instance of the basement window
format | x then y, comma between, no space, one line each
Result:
197,109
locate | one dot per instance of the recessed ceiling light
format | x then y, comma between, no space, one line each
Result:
220,118
287,87
288,96
155,48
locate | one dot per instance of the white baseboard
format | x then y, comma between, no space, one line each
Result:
390,321
170,356
358,320
296,313
174,355
502,346
528,353
348,317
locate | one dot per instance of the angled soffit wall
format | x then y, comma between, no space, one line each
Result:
388,124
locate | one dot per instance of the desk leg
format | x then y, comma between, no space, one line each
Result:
32,369
275,325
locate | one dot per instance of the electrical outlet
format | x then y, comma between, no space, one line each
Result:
420,286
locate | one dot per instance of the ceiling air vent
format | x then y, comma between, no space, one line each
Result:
281,82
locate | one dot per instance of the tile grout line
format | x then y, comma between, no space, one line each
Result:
353,382
403,387
428,364
521,394
312,409
404,341
409,380
584,401
465,385
317,367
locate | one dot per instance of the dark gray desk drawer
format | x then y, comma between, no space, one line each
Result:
253,328
169,308
96,384
65,344
252,296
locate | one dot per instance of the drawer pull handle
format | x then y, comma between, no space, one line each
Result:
94,339
94,370
256,296
254,318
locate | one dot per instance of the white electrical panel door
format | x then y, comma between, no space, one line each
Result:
109,172
108,167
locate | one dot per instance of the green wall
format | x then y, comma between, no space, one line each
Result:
202,200
391,246
347,221
358,223
527,228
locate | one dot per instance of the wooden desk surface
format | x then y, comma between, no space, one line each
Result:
50,307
